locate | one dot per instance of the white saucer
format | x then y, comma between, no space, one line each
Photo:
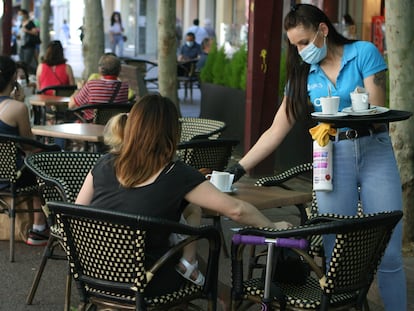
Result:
322,115
374,110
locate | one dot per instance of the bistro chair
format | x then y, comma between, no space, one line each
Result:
102,112
60,178
106,253
210,154
9,176
58,114
59,90
200,128
147,68
187,76
279,180
359,246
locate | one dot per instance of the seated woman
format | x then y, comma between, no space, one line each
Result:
14,120
53,69
132,178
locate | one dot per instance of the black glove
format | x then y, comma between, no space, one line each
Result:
237,170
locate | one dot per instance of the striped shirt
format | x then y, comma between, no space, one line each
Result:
100,92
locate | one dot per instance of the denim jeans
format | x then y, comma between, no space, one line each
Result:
369,163
118,41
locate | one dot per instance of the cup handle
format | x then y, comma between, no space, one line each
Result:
208,176
317,102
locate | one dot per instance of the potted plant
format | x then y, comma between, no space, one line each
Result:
223,85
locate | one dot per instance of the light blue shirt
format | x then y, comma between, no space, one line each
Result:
360,60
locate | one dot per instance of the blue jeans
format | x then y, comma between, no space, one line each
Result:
118,41
369,163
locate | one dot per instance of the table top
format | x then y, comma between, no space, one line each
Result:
48,100
350,121
77,131
270,197
267,197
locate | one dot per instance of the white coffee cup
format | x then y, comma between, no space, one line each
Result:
329,104
221,180
360,101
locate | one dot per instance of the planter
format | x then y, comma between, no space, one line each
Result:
225,104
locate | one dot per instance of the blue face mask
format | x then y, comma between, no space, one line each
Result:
189,43
19,19
311,54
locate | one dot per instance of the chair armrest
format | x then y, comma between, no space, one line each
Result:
279,179
31,142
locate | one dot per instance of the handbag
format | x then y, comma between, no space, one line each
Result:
289,267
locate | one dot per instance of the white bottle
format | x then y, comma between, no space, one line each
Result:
322,166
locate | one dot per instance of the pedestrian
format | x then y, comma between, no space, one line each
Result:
116,34
209,28
321,59
199,32
65,33
28,39
348,27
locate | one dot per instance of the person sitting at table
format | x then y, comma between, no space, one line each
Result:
107,89
188,265
143,167
53,69
14,120
190,50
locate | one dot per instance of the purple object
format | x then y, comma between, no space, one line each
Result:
259,240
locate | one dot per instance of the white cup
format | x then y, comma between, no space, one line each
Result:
330,104
221,180
360,101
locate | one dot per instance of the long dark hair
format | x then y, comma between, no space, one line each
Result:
113,18
297,71
7,70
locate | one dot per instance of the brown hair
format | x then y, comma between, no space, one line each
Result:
54,54
150,141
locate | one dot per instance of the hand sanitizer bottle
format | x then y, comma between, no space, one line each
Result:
322,167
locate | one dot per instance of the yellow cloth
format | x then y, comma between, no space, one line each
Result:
321,133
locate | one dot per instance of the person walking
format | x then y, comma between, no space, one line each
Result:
321,59
199,32
28,39
116,34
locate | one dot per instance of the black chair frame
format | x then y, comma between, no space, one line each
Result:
349,274
95,286
9,173
102,112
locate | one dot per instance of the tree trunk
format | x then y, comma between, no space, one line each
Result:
167,47
94,40
6,25
44,27
399,38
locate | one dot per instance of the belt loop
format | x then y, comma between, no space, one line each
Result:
371,130
337,135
